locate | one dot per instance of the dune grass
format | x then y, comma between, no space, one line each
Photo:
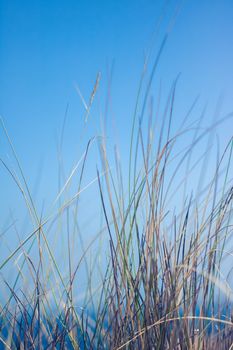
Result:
167,280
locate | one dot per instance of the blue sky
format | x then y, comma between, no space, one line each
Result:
48,47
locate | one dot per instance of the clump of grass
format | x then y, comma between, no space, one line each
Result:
163,285
167,287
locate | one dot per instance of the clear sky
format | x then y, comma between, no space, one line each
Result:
49,47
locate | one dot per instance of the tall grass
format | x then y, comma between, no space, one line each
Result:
169,237
168,289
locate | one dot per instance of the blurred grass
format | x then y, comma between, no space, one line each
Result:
159,282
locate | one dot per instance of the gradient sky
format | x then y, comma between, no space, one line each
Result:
48,47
